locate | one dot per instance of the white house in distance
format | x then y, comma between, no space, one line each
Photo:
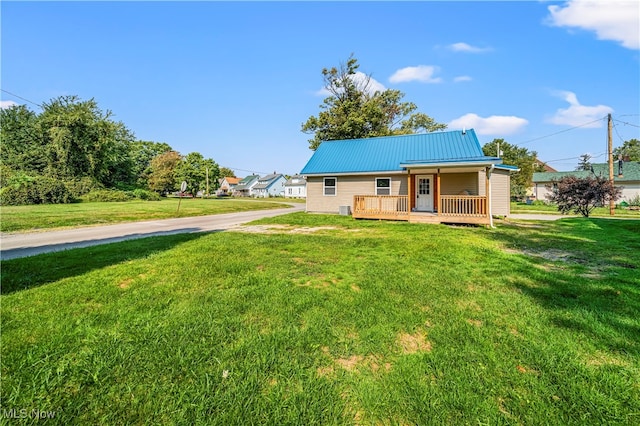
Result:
244,188
270,186
227,185
295,187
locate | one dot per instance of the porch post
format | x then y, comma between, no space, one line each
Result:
437,200
488,172
409,192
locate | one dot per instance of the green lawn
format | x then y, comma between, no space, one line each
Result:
50,216
517,207
317,319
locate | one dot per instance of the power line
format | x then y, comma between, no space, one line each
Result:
561,131
574,158
626,123
248,171
20,97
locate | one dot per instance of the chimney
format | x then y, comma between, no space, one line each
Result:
620,162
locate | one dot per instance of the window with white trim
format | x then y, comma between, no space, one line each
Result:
329,186
383,186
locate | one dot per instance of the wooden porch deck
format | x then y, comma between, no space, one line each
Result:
467,209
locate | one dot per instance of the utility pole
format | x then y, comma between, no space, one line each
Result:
207,169
610,144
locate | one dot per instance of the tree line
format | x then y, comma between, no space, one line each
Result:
72,147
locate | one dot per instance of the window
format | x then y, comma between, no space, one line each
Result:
329,186
383,186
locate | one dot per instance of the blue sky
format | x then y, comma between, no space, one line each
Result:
236,80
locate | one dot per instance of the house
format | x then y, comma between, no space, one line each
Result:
545,166
270,186
245,186
625,174
227,185
440,177
295,187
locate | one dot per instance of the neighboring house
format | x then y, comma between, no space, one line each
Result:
440,177
295,187
270,186
227,185
245,186
545,166
626,175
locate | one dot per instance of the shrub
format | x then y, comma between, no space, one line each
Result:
107,195
582,195
143,194
36,190
82,186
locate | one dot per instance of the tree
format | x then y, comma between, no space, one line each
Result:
584,163
162,177
82,141
141,154
630,148
226,172
354,110
582,195
193,170
513,155
22,144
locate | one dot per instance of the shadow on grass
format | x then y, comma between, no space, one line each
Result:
592,285
30,272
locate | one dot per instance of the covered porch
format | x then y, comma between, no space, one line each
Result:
451,195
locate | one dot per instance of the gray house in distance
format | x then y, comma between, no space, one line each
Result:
270,186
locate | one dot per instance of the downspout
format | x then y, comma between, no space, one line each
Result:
489,172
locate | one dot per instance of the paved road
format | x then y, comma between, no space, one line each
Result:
22,245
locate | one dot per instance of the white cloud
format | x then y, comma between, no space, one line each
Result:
617,20
462,78
494,125
359,77
421,73
578,115
464,47
7,104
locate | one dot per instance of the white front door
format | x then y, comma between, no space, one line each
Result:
424,193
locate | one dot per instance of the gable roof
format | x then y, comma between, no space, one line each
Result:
630,173
246,182
296,180
395,153
231,180
268,180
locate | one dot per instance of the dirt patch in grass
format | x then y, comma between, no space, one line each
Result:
413,343
281,229
474,322
124,284
599,359
353,363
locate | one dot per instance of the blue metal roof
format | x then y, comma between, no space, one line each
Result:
391,153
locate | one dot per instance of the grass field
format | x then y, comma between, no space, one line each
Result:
517,207
50,216
314,319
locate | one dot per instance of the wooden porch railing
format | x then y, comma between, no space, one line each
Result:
395,207
463,205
